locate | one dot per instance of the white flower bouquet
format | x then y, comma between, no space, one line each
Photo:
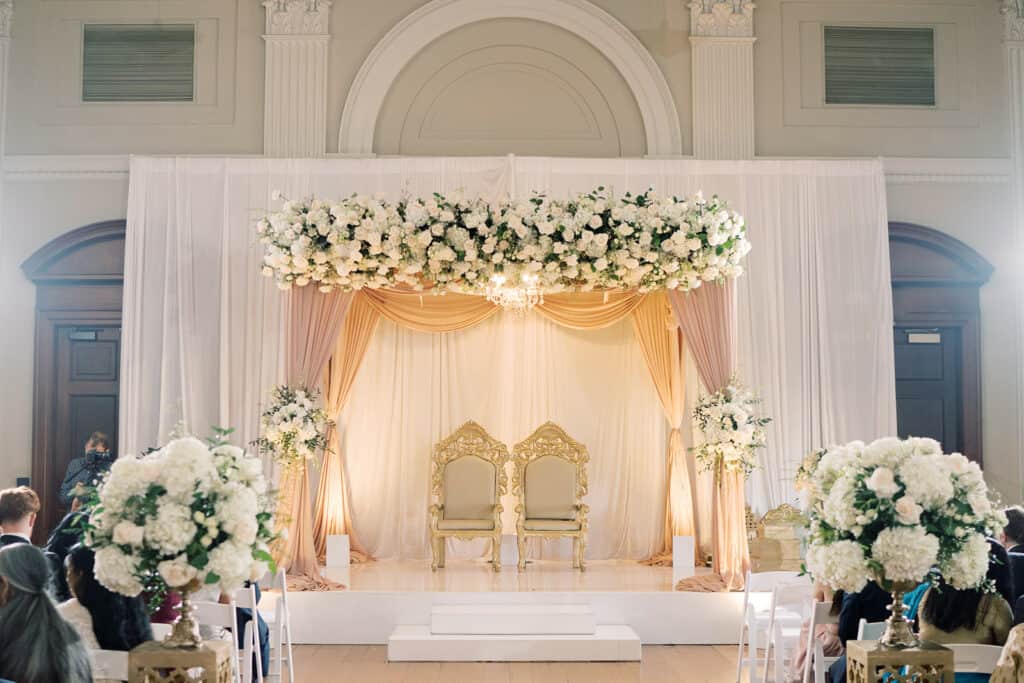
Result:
294,426
895,511
454,243
731,429
186,515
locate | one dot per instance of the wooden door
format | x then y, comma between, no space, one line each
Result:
86,392
928,385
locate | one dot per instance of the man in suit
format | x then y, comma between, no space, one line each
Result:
871,604
18,509
1012,537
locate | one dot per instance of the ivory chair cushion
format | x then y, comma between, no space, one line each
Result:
469,490
550,486
551,525
467,524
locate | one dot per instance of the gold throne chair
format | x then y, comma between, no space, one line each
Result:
550,479
467,483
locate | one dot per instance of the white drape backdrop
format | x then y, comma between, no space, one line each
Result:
510,374
202,337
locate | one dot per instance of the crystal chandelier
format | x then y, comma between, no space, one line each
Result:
519,299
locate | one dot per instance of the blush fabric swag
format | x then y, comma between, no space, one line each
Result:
656,331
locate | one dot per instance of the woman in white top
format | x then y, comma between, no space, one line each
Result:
105,620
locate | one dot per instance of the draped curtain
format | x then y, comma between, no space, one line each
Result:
203,331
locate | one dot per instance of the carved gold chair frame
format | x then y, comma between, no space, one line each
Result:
550,439
469,440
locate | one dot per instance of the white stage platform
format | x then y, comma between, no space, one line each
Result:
382,596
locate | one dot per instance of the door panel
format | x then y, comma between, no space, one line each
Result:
86,396
928,384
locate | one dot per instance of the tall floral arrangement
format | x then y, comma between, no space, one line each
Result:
732,431
188,514
451,242
294,426
894,511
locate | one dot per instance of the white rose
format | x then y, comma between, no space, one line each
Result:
883,482
908,511
176,572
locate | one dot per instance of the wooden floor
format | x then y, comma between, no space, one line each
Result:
683,663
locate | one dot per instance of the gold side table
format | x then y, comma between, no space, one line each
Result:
153,663
867,662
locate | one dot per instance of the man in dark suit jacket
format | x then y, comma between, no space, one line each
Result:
18,509
1013,538
871,604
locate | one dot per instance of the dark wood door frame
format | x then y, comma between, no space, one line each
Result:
79,279
935,283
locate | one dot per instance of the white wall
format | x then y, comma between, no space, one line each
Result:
972,123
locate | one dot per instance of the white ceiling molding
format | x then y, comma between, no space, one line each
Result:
409,36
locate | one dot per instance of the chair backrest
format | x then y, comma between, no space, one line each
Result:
245,598
109,664
794,597
973,658
821,613
215,614
550,476
870,630
468,476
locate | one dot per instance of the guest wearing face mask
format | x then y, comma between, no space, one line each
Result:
87,469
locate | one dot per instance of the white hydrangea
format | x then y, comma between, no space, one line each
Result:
839,508
233,563
927,480
172,529
969,567
841,565
116,570
905,553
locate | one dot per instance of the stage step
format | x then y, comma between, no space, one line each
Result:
606,644
512,620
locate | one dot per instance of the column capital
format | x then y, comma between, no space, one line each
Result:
297,17
1013,20
722,18
6,17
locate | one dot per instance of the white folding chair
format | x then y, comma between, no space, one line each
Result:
109,664
783,634
870,630
815,660
278,619
218,615
161,631
754,624
980,659
245,598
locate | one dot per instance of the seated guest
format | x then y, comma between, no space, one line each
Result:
88,468
66,535
1012,538
105,620
47,648
18,509
826,634
952,616
871,604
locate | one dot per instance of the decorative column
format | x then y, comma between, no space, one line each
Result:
295,90
722,51
1013,42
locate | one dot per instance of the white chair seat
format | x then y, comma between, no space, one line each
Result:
551,525
471,524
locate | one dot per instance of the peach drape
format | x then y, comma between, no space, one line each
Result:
315,320
662,347
427,312
707,317
589,310
333,515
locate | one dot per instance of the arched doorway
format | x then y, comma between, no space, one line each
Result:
936,329
79,278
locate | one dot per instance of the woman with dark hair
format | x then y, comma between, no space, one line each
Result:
36,645
104,619
955,616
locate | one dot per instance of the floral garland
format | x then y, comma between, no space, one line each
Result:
189,513
732,431
896,511
455,243
294,427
